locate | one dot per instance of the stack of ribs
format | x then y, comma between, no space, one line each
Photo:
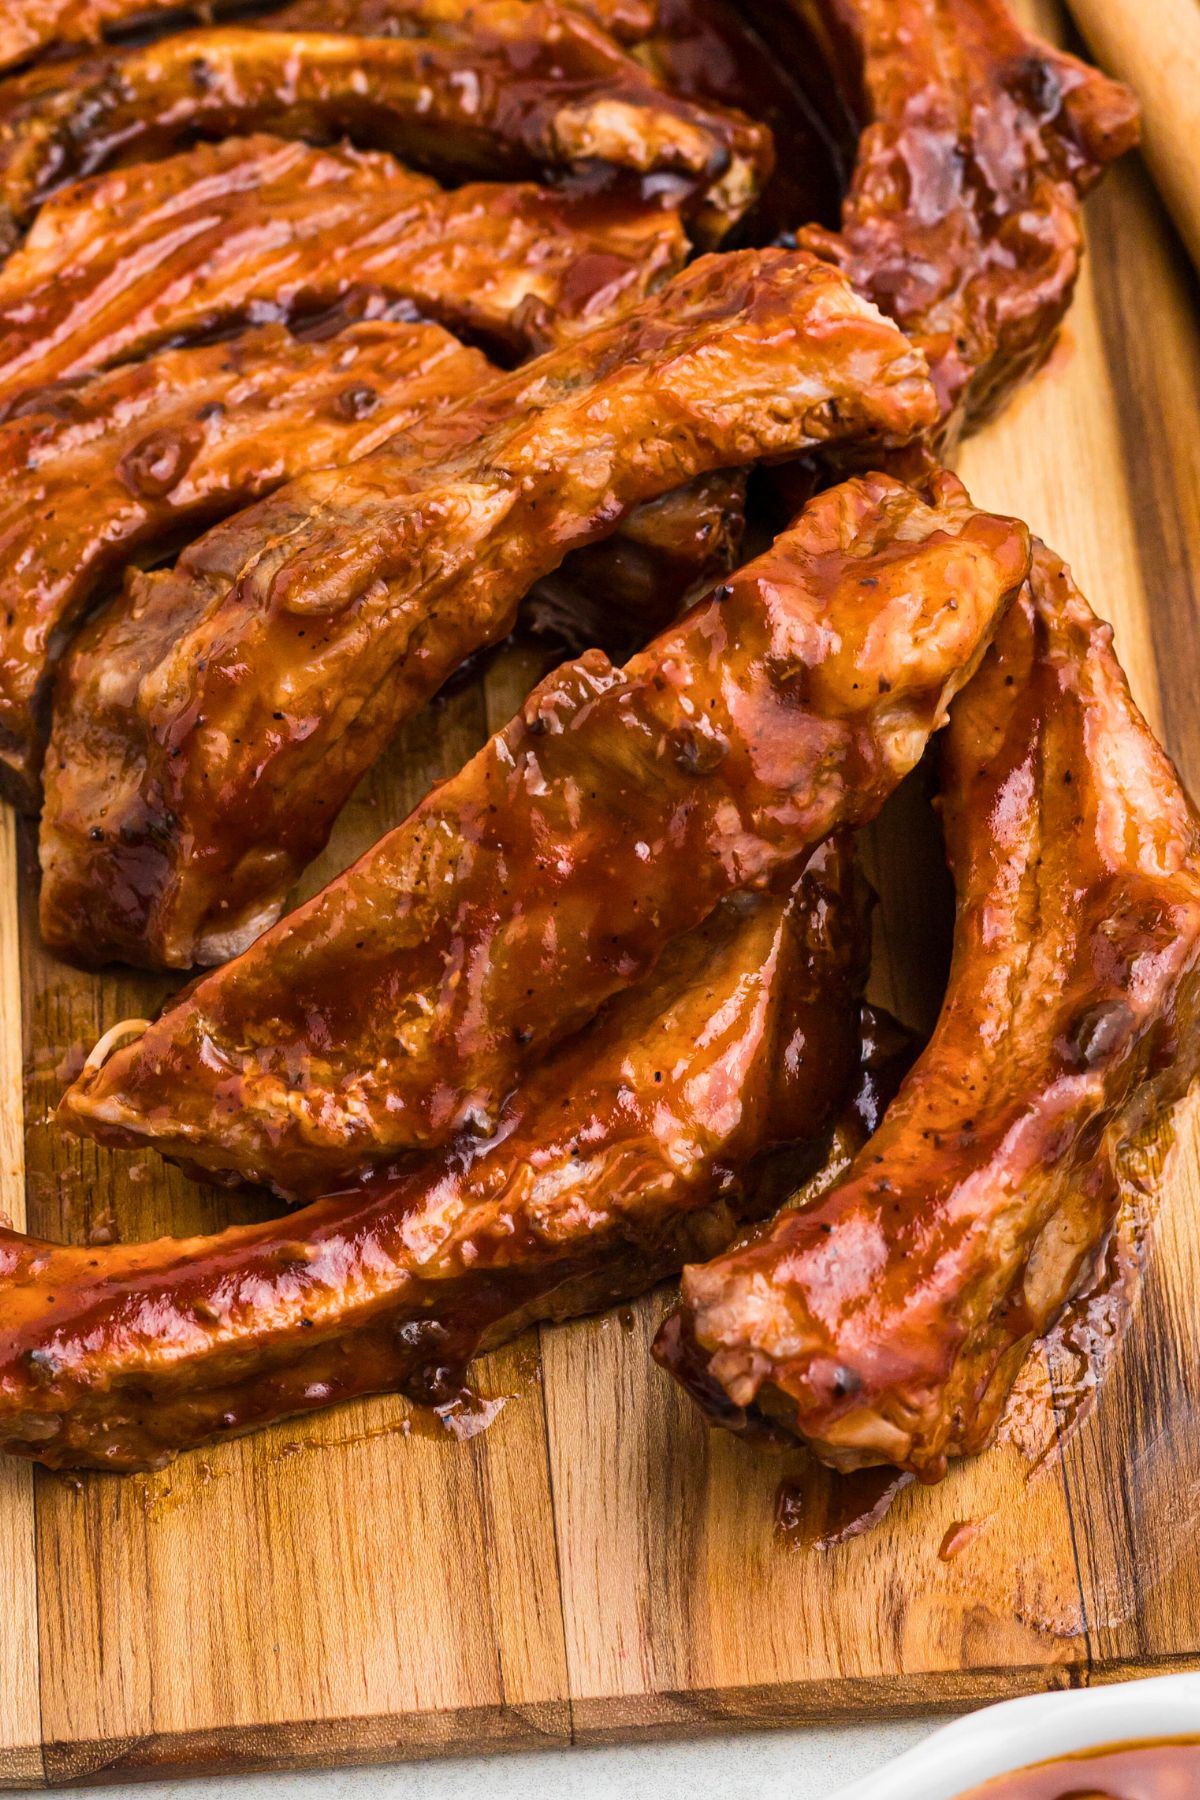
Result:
334,343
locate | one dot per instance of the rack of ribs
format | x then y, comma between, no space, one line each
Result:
400,1005
95,472
258,229
633,1149
886,1323
976,143
198,763
533,88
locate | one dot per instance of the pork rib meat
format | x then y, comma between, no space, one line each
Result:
887,1323
97,471
532,89
254,230
632,1150
208,728
977,141
405,1000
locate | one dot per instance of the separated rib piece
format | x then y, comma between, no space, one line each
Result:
95,473
963,219
256,229
629,1153
886,1323
210,726
613,814
532,89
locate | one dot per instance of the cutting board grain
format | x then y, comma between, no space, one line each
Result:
596,1564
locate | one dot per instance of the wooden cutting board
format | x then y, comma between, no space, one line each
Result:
596,1564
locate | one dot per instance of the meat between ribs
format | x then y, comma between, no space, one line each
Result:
257,229
209,727
614,594
534,88
404,1002
93,473
632,1150
886,1323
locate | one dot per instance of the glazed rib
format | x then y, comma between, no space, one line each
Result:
626,20
613,814
887,1323
29,26
256,229
529,89
632,1150
97,472
202,759
963,218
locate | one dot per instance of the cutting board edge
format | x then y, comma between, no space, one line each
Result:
626,1718
22,1767
294,1744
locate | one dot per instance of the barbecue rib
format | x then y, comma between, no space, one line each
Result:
28,26
629,21
886,1324
962,220
403,1002
199,756
92,474
191,435
533,88
260,229
629,1152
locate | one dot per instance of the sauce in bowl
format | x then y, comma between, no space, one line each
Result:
1168,1769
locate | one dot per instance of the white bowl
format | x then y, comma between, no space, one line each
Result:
1020,1732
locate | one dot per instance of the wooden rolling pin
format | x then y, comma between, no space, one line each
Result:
1154,45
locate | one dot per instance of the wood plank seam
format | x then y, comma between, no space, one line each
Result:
559,1583
1062,1424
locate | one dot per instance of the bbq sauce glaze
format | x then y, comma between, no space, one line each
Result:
1166,1770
